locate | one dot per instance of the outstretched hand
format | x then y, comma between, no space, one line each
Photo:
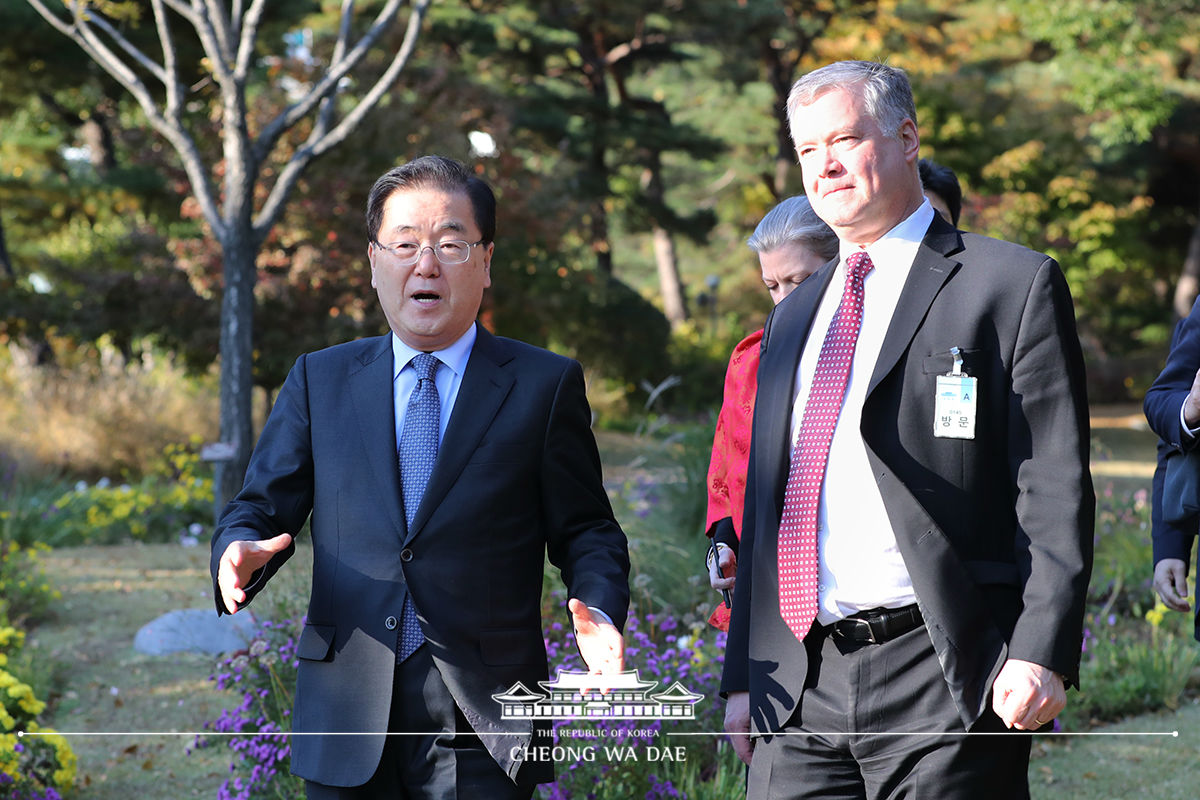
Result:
600,643
240,561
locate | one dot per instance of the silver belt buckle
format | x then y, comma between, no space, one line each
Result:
866,624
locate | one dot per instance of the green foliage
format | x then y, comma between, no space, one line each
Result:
33,765
1130,668
264,677
25,594
172,502
579,312
1120,574
661,503
1137,656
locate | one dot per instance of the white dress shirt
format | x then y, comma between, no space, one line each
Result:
860,566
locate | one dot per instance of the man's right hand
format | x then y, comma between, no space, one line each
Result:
737,724
1170,581
240,561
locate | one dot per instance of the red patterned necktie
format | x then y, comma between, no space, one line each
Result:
798,524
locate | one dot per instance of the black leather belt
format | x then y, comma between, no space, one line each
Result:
879,624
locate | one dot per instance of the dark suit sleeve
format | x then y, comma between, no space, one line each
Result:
736,675
277,495
1055,502
584,540
1170,540
1162,404
724,533
1165,397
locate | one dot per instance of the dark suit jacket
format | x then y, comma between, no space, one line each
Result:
996,532
517,474
1163,401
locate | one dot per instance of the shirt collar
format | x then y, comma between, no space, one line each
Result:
455,356
900,243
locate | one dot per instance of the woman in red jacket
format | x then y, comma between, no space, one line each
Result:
792,243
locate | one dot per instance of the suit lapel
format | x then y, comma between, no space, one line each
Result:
371,392
930,271
484,386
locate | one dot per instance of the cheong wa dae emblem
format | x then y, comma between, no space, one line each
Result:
580,695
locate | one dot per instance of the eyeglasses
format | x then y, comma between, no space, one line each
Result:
406,254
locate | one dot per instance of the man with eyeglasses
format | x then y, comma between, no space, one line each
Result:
440,464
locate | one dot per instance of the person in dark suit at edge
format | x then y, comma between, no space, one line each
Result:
917,535
440,465
941,189
1172,407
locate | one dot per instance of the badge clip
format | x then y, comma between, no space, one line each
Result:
955,402
958,362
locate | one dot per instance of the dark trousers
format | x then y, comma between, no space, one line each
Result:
433,754
877,722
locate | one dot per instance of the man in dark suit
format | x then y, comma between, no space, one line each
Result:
427,573
918,525
1172,408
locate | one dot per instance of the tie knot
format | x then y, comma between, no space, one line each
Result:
859,263
426,365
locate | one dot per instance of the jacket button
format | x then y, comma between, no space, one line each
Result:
406,555
390,623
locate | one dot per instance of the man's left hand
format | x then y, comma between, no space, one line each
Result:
1027,696
600,643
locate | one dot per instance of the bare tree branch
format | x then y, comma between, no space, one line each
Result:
328,83
184,10
318,144
220,58
80,32
152,67
235,21
218,21
339,47
170,71
249,32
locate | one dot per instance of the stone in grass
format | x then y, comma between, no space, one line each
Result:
196,630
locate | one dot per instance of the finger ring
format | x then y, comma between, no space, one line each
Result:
1038,721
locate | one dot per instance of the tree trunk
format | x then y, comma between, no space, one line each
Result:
674,301
780,75
237,376
5,263
669,282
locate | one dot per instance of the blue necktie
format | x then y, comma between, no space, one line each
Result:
417,452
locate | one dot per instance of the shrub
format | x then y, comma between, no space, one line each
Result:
173,502
1121,571
94,411
264,675
25,594
1130,667
35,763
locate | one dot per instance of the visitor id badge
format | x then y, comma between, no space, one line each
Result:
954,405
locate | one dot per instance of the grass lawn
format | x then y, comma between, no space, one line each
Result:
106,690
1120,763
